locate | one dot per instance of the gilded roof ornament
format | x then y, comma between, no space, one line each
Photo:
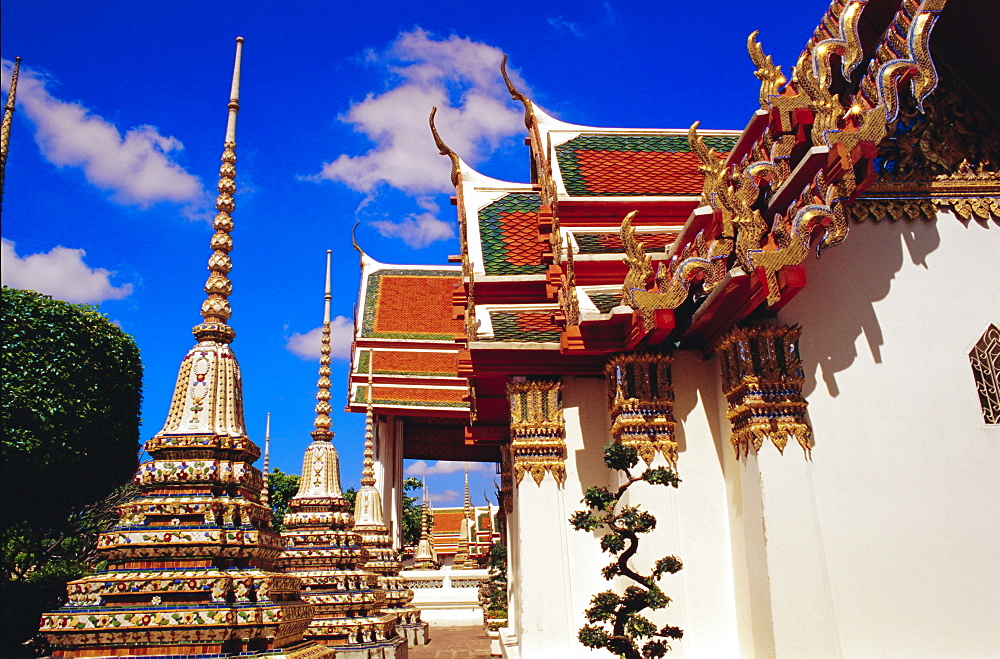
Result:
8,118
770,75
515,93
445,150
215,310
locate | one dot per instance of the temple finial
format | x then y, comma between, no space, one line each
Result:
323,409
468,499
354,238
529,112
368,471
8,118
215,311
445,150
267,459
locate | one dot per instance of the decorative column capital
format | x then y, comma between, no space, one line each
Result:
762,379
537,429
641,400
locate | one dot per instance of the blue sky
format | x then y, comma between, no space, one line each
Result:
115,149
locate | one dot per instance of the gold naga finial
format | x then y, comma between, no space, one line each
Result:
215,311
515,93
639,263
445,150
770,75
267,459
354,238
712,167
323,409
8,118
368,471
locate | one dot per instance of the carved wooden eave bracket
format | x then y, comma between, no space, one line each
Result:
785,188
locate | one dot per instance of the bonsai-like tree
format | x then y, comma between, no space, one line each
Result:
616,621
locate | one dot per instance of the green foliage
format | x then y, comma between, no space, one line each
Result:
38,562
72,388
412,512
493,592
351,495
281,487
69,436
623,525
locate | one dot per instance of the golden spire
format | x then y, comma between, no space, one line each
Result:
215,310
323,409
368,471
468,500
8,117
267,459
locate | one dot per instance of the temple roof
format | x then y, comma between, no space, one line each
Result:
405,337
617,164
586,161
508,229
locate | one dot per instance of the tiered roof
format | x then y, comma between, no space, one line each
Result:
632,164
724,220
405,340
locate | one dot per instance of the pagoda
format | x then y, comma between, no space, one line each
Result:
466,532
383,560
425,557
190,559
323,549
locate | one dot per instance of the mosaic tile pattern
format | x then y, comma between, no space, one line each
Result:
411,396
634,165
441,364
509,231
611,243
410,304
524,326
605,302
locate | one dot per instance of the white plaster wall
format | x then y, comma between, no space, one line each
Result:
692,521
887,542
389,474
555,570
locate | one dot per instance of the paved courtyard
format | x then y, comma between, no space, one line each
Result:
467,642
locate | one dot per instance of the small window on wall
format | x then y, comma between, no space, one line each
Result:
985,358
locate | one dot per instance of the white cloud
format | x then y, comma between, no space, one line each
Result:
60,273
561,24
445,497
307,345
475,116
421,468
136,169
417,230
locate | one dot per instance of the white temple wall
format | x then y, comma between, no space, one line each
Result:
389,474
556,570
692,521
886,542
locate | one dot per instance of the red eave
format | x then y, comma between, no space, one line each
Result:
590,212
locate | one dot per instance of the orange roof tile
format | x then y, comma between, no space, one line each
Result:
410,304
